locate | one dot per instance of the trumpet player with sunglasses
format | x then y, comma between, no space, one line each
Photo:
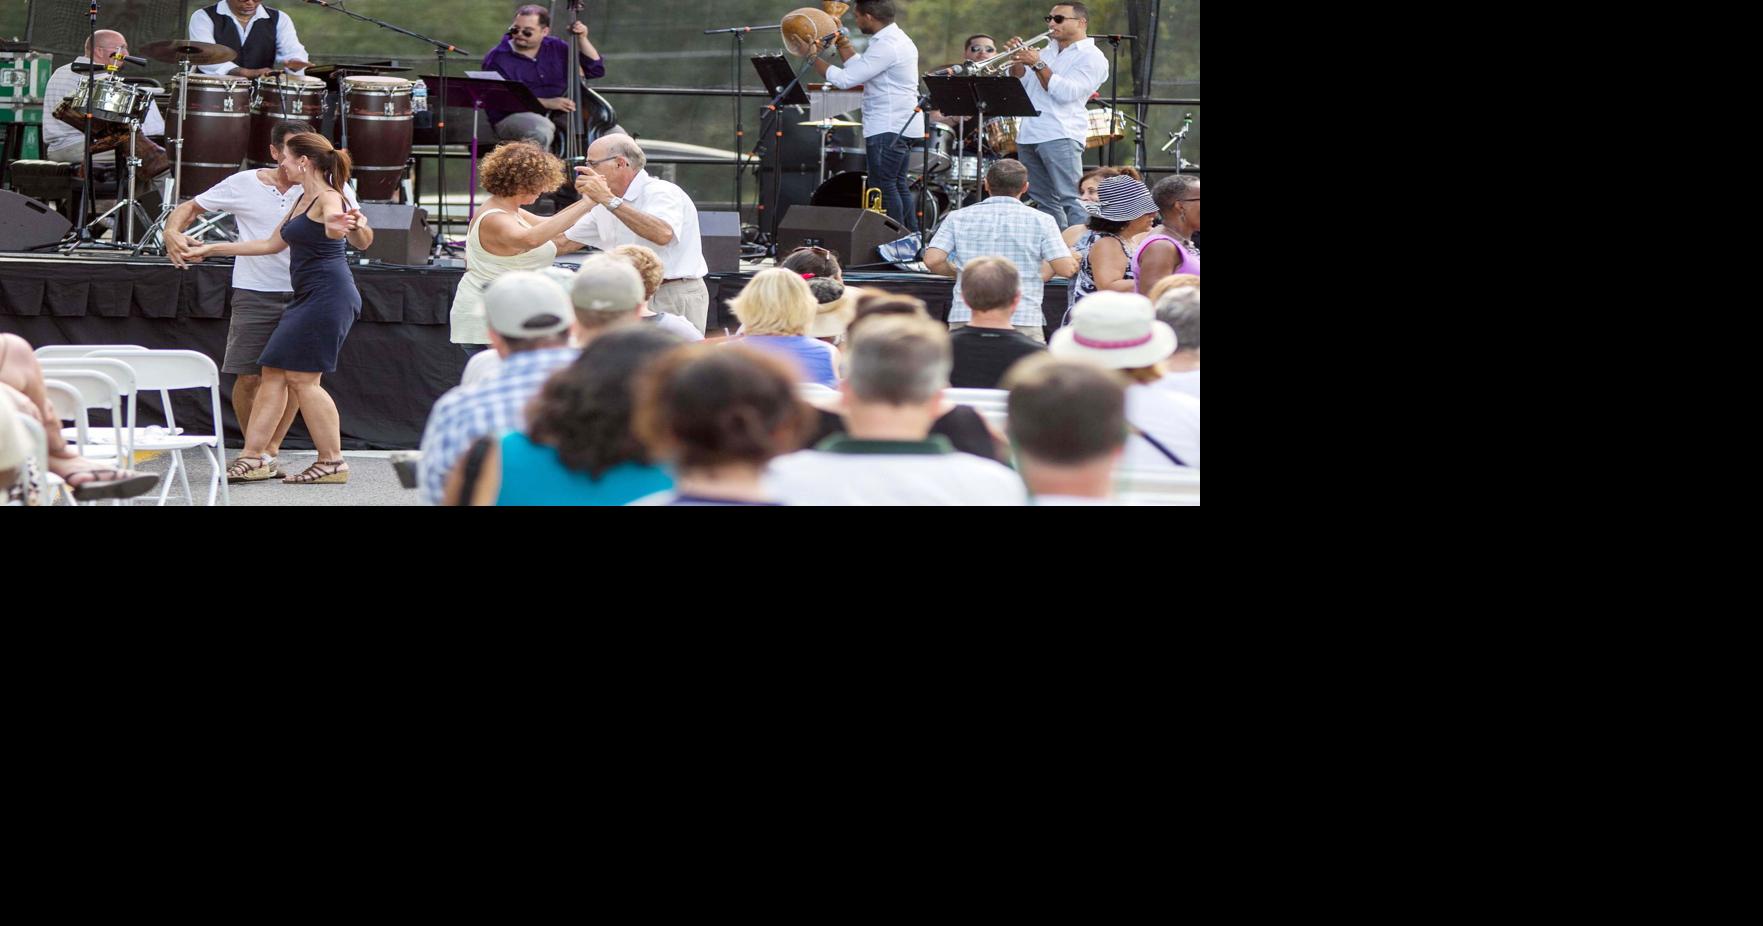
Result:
1059,81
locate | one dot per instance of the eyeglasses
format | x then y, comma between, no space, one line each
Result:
1059,19
524,33
988,49
1194,200
604,160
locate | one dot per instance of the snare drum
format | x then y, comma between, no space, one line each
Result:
968,169
282,99
1001,135
378,125
1101,132
215,131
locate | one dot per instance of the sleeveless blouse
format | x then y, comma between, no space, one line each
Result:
470,326
1085,282
1189,263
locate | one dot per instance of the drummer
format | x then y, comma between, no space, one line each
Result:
263,38
977,48
66,143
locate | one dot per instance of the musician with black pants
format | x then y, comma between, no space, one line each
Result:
264,38
888,71
531,55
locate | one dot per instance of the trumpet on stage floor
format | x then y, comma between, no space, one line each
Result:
1000,63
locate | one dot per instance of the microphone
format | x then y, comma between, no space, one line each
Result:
828,40
1116,38
135,60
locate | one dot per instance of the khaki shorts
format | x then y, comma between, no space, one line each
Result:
255,316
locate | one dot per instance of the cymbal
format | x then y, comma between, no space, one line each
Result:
171,51
833,124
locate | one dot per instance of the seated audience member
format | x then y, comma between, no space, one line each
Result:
607,293
578,448
1180,310
15,449
1173,281
813,263
719,416
21,386
1171,248
649,267
1117,331
529,318
1126,212
881,302
776,309
988,345
1003,225
835,310
888,456
1068,425
1080,237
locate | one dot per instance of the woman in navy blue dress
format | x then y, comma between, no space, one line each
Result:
306,341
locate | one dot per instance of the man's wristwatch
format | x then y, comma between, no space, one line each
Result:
615,202
1040,65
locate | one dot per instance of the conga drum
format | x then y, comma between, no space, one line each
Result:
280,99
378,122
216,130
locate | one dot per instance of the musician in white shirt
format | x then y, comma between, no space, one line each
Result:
888,71
1059,83
263,38
67,144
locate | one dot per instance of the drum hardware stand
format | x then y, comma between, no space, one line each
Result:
133,208
441,48
155,235
737,33
81,235
1114,93
1176,138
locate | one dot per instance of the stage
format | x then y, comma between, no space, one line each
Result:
396,363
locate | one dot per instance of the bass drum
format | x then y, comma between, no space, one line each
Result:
842,189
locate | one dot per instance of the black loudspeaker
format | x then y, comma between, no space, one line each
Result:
853,233
721,232
26,223
401,233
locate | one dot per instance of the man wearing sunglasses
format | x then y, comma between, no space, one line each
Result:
977,48
531,55
1059,83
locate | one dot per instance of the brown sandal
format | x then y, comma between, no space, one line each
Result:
334,471
252,469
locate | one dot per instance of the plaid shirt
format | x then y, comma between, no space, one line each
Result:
467,413
1002,226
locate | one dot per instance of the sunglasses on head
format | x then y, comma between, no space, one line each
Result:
1060,18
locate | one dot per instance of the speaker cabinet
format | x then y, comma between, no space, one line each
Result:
27,223
853,233
721,232
401,233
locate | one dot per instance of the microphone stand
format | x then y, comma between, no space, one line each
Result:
1114,94
441,49
774,110
1176,138
738,33
81,235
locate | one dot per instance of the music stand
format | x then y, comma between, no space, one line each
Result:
477,94
775,72
985,97
785,87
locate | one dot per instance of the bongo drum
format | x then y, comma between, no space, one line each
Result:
215,130
280,99
378,126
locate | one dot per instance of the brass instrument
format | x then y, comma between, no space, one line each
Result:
1000,63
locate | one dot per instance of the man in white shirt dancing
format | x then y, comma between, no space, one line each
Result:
1059,83
888,71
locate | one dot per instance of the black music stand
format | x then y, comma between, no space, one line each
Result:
985,97
775,73
478,94
785,87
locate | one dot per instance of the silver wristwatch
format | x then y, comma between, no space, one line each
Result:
615,202
1040,65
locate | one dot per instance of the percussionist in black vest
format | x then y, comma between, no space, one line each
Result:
264,38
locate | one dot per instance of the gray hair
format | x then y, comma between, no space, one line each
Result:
626,147
1180,309
900,360
604,289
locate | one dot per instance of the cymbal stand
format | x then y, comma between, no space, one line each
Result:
155,235
127,204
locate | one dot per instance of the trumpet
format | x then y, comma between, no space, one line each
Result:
1000,63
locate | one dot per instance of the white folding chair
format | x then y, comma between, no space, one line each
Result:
75,391
118,440
1157,486
56,351
977,397
166,371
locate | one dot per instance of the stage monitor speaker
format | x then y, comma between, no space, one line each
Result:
400,233
721,232
854,234
27,223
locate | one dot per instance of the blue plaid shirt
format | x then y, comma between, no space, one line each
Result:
467,413
1002,226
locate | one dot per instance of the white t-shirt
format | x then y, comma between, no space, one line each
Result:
1187,381
681,258
482,365
259,210
820,477
675,324
1171,417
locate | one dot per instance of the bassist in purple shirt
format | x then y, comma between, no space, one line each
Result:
531,55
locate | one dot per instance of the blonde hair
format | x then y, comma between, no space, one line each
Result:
648,266
1171,282
775,301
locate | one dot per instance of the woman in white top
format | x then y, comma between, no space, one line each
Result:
1118,331
505,237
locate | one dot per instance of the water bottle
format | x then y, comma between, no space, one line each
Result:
419,105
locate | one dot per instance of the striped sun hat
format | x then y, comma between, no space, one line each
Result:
1124,199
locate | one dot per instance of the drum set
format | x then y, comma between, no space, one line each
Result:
218,124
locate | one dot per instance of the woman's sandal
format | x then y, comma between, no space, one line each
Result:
95,484
321,472
252,469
